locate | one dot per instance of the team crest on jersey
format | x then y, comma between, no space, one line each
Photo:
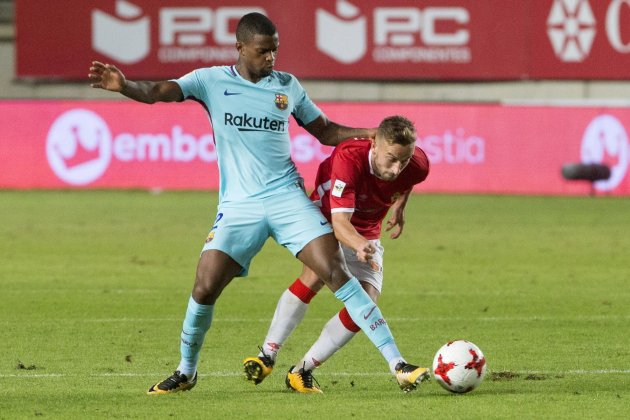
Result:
338,188
282,101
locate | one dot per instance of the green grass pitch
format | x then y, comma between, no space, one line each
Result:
94,286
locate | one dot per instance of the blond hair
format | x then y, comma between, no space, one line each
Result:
397,129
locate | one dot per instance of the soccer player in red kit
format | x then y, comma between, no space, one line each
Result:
355,188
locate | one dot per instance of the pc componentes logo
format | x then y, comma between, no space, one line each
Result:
127,39
605,141
343,37
78,147
394,34
571,29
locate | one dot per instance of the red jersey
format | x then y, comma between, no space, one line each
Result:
346,183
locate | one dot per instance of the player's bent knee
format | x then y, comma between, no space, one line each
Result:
207,289
339,275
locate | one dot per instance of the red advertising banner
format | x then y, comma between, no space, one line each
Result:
332,39
579,39
472,148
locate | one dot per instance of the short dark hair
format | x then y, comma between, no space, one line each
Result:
398,129
254,24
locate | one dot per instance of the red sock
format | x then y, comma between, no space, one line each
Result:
347,321
302,291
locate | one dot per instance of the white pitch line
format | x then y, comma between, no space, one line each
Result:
578,372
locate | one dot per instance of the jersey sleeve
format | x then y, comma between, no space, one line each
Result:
420,165
305,111
191,84
344,176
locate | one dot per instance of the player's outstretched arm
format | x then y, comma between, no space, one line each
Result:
331,134
108,77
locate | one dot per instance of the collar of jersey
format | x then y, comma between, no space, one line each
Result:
238,75
370,162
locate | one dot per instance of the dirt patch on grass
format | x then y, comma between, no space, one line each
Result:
536,377
504,376
22,366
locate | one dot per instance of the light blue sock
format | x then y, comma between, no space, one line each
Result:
367,315
196,324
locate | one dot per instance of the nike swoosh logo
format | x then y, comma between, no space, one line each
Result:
323,222
226,93
369,313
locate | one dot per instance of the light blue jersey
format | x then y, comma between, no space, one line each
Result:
251,127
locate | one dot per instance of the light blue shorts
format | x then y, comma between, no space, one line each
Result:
289,217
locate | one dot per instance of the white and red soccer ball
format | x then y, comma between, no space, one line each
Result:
459,366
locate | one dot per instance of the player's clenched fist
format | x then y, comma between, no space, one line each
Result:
365,252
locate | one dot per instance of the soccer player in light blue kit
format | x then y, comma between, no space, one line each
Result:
260,193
